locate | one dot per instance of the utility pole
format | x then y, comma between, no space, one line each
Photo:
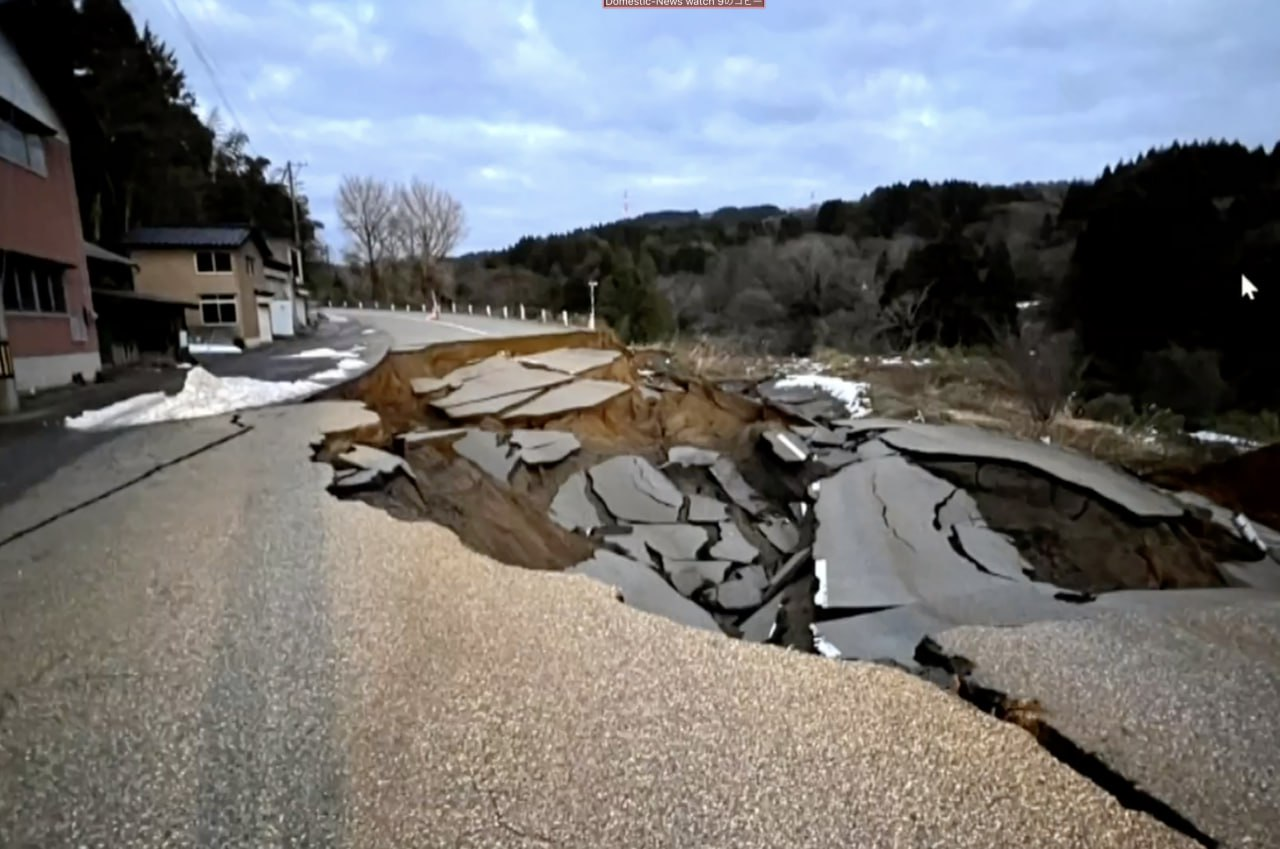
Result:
591,321
294,273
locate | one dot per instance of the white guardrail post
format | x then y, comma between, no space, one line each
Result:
488,310
504,312
522,318
564,314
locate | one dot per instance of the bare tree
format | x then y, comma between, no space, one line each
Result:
365,207
435,224
1042,366
901,318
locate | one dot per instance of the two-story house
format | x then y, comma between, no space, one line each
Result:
46,312
224,270
287,272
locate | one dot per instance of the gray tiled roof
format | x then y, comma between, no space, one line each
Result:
188,237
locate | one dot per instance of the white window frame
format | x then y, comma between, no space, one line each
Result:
32,158
28,284
220,298
195,262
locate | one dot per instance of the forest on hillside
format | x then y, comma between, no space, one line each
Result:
141,153
1140,268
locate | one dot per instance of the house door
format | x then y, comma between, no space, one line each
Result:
281,318
264,323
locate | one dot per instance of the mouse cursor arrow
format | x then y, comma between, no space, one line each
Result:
1247,289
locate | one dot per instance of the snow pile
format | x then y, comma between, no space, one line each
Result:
342,370
1213,436
900,361
325,354
201,395
213,348
852,393
336,319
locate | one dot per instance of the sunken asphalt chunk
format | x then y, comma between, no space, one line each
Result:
635,491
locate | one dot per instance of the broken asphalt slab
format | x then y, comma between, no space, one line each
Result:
572,507
498,381
568,397
542,447
726,473
572,360
643,588
366,458
787,446
688,455
877,544
669,541
492,456
1104,481
634,490
1181,704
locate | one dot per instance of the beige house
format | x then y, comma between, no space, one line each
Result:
242,288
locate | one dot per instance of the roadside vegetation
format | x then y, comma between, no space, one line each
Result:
1116,298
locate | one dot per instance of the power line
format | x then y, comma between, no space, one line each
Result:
194,40
211,66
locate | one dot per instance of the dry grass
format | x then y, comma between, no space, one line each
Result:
944,387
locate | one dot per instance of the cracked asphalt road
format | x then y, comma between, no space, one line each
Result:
223,654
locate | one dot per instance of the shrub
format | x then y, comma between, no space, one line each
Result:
1109,407
1188,382
1043,367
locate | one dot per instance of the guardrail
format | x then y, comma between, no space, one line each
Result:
520,312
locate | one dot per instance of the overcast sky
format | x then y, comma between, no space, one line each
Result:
539,114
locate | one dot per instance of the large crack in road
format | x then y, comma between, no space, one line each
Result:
748,514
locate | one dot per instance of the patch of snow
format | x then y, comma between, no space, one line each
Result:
820,572
202,395
901,361
342,370
1248,531
851,393
824,648
213,348
1022,305
337,319
324,354
184,366
367,331
1213,436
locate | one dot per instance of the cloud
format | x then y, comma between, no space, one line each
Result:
272,80
539,114
343,31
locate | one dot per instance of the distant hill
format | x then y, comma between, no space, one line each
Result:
1142,264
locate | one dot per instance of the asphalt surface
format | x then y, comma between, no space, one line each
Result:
1198,734
222,654
32,451
409,329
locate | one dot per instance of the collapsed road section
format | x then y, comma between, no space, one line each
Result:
781,512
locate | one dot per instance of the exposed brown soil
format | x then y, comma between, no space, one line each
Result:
1067,537
509,524
1080,543
1245,483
